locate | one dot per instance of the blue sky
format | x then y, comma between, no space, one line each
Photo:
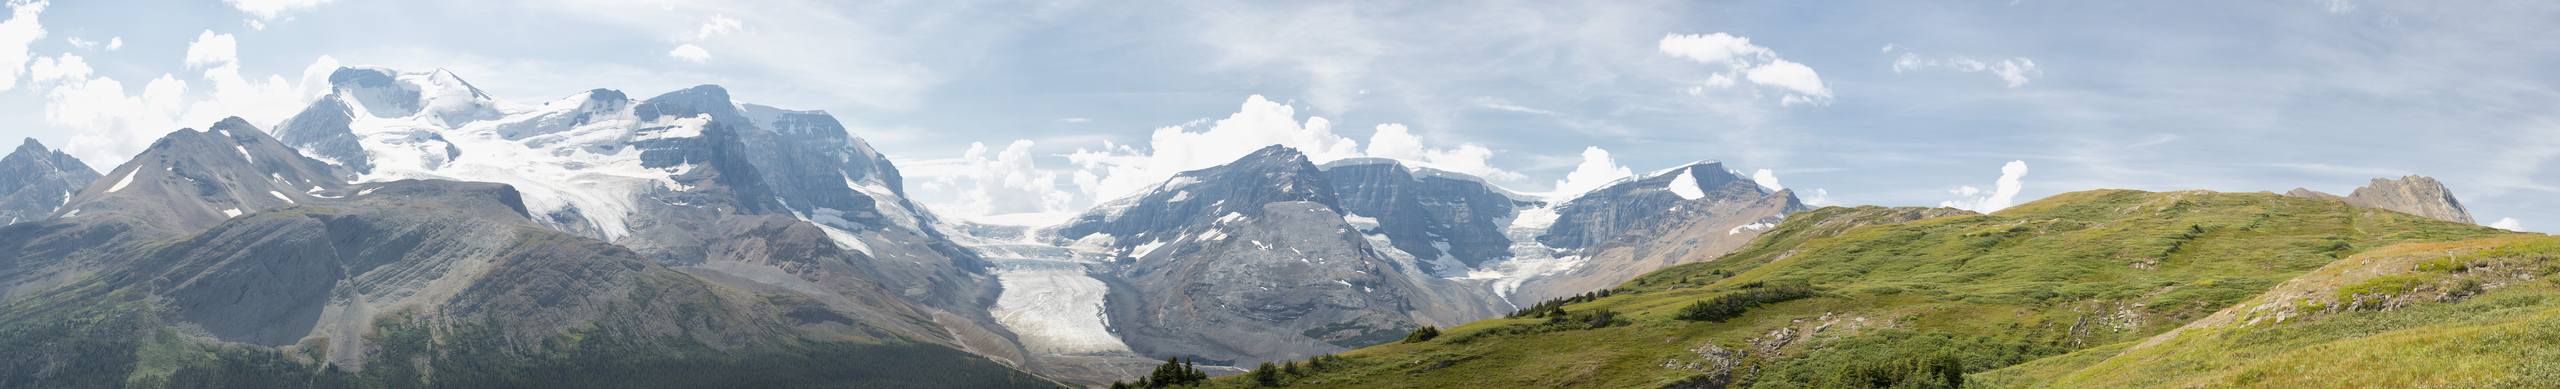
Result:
1882,102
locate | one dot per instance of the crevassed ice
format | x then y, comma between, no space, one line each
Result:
589,168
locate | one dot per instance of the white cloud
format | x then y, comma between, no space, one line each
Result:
1596,170
1767,179
985,182
1821,197
1396,141
690,53
1006,186
115,43
212,50
2003,194
718,25
1715,49
1074,120
80,43
21,30
1116,171
273,9
2014,72
2508,223
112,125
1740,60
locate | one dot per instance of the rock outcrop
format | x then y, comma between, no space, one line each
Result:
2415,195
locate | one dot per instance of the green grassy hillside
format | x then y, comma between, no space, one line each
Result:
2481,313
1905,297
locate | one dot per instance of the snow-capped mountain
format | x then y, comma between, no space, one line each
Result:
760,198
1599,239
1257,260
35,180
1273,257
197,249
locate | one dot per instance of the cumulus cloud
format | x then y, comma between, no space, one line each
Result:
210,49
2014,72
1767,179
1117,170
690,53
113,125
987,182
1597,169
114,43
19,31
1737,60
2004,193
268,10
1821,197
2508,223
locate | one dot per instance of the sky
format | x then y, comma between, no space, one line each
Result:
1016,108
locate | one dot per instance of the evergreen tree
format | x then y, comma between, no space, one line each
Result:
1423,334
1267,375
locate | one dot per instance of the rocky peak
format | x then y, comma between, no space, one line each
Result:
688,102
2414,194
190,179
1195,199
1633,205
34,180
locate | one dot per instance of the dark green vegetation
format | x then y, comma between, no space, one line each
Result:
1175,372
1731,306
1556,304
1424,334
2035,295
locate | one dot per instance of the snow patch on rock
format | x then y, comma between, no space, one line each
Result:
1687,186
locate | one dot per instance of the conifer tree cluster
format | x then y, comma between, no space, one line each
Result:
1174,372
1552,307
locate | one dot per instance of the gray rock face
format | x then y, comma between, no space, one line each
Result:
1690,214
1257,260
779,202
2415,195
1292,282
1422,214
327,271
189,180
35,180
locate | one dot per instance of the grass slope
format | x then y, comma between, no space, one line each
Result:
1911,297
2480,313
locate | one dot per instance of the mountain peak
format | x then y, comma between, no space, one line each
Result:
32,146
1277,153
2414,194
2411,194
698,100
233,124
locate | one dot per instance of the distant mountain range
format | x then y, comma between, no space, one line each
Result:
407,228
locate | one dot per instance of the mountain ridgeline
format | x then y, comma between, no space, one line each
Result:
407,229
